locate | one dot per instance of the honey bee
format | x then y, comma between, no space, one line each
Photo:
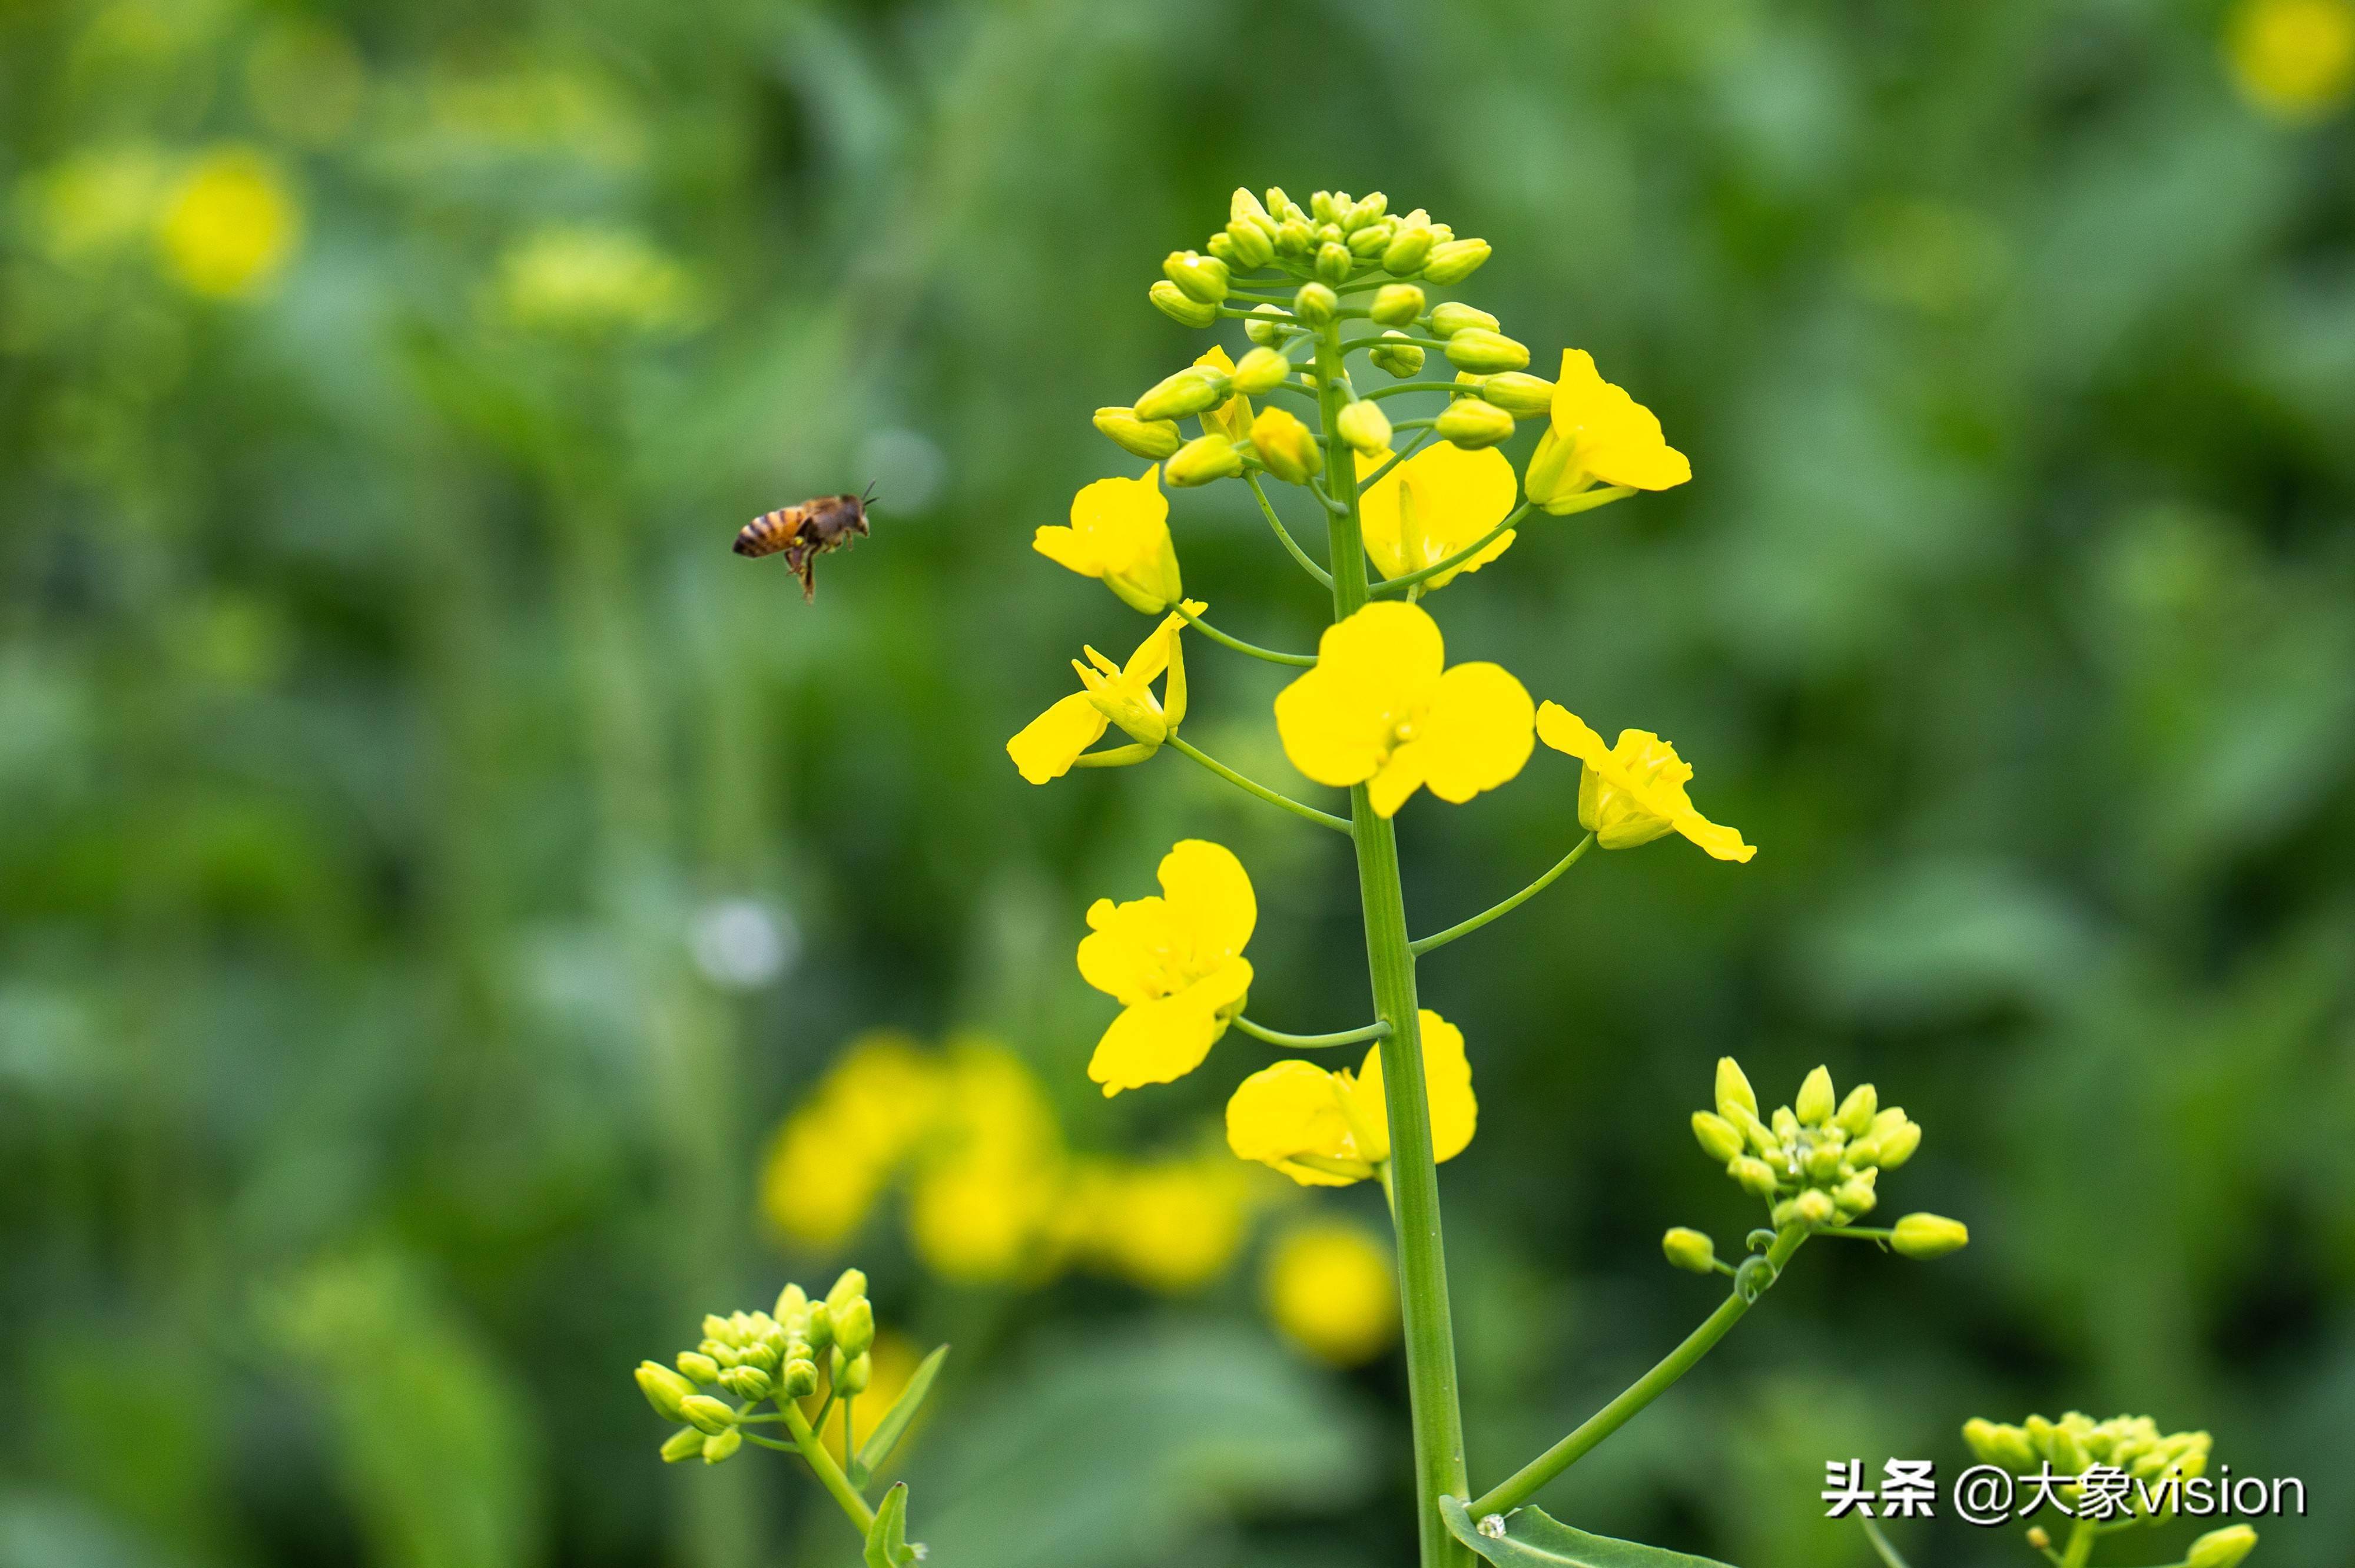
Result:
805,531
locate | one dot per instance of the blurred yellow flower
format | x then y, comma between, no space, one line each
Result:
2294,59
230,225
1172,1225
1050,745
1330,1290
1231,419
1174,963
1598,433
587,279
1437,502
1120,533
1329,1129
990,1170
895,1361
1633,792
832,1157
1378,709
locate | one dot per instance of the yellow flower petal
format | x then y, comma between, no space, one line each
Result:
1126,955
1339,720
1210,898
1634,792
1282,1113
1231,419
1440,501
1162,1040
1447,1078
1394,783
1601,432
1051,744
1478,734
1120,533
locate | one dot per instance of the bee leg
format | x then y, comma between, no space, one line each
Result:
804,562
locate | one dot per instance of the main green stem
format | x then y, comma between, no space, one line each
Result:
829,1474
1643,1391
1439,1464
2080,1550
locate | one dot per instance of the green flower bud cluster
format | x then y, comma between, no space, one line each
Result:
757,1356
1817,1162
2075,1443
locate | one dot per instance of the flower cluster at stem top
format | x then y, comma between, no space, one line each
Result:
760,1356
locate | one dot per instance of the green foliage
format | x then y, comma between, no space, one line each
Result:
1529,1538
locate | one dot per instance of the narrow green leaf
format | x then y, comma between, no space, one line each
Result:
887,1539
1531,1540
887,1431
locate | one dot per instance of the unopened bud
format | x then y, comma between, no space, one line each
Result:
1691,1251
1396,304
1733,1089
1286,447
721,1444
1996,1445
1248,245
1333,263
1364,426
1368,209
1315,304
1189,391
1180,307
2039,1538
818,1327
1518,393
1223,250
1815,1208
853,1375
791,1302
1404,255
664,1390
854,1327
1244,207
848,1287
1369,242
1472,424
1785,1123
800,1378
1755,1175
1323,208
1477,348
1204,278
1400,358
1894,1148
1823,1162
1260,371
684,1444
700,1367
747,1382
706,1414
1150,439
1855,1113
1453,316
1293,237
1203,460
1267,334
1453,260
2068,1454
2221,1548
1719,1139
1816,1099
1929,1236
1855,1196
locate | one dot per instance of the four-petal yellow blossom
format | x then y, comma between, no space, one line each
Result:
1120,532
1442,500
1231,419
1633,792
1330,1128
1598,433
1174,963
1379,709
1050,745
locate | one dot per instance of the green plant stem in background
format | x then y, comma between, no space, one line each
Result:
1322,818
1424,944
1312,1041
1643,1391
2079,1549
1889,1553
1215,636
1430,1333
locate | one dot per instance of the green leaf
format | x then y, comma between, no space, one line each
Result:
886,1538
1532,1540
889,1431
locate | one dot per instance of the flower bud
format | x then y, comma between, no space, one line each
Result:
1785,1124
1189,391
1404,256
1477,348
1786,1213
1719,1139
700,1367
2039,1538
848,1287
854,1327
1823,1162
852,1375
1150,439
818,1327
1855,1196
2221,1548
721,1444
1816,1099
1204,278
1396,304
799,1377
664,1390
1761,1138
1929,1236
1855,1113
1286,447
1249,245
1180,307
1690,1251
791,1302
1222,249
1472,424
1294,238
1203,460
1267,334
747,1382
1244,207
1333,263
1756,1177
1896,1147
1260,371
1395,354
1371,241
1364,426
1815,1208
1733,1089
2068,1454
1453,260
706,1414
2005,1446
1316,303
684,1444
1518,393
1366,209
1323,206
1453,316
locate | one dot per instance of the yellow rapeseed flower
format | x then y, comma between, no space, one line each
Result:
1598,433
1231,419
1330,1290
1050,745
2294,59
834,1156
1174,963
1437,502
1172,1225
1329,1129
1120,533
230,225
1379,709
990,1171
1633,792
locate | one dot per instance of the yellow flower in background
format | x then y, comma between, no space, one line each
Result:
832,1158
2293,59
1172,1225
1174,963
1633,792
589,279
1329,1129
1379,709
230,225
1437,502
1598,433
1231,419
895,1360
1120,533
1052,744
1329,1289
990,1170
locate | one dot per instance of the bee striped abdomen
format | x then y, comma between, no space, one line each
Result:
771,531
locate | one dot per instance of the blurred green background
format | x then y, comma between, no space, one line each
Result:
430,863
